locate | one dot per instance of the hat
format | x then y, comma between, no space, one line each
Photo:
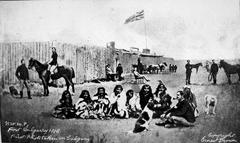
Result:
53,47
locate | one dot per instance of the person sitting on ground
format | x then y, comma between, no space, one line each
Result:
191,98
181,114
101,103
84,105
161,87
133,105
118,101
139,76
162,101
145,94
109,73
66,109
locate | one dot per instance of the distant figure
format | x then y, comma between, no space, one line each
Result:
175,68
207,66
23,76
214,71
170,67
109,73
139,66
119,71
188,72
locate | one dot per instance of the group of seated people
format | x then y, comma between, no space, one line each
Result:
183,113
123,105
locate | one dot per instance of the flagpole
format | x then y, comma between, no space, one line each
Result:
145,30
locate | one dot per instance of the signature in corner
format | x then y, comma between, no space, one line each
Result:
220,138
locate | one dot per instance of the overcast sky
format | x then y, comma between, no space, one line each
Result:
182,29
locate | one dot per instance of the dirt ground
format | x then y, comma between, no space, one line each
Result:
22,119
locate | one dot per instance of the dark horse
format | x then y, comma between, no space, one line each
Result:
196,66
230,69
62,71
162,66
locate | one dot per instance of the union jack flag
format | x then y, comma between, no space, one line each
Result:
138,16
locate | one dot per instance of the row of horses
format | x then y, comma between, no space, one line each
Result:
68,72
155,69
151,69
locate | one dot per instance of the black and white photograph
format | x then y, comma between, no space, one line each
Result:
120,71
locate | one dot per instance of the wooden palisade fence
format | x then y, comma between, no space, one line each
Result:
88,61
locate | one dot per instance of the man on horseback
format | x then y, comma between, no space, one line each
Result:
214,71
52,63
188,72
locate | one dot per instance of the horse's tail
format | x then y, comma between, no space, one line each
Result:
73,73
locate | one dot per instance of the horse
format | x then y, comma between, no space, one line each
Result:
196,66
153,69
162,66
230,69
62,71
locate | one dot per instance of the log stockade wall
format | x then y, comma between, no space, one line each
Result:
88,61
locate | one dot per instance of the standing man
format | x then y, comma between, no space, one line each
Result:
23,77
119,71
214,71
188,72
139,66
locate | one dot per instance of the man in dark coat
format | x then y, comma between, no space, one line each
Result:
52,62
188,72
139,66
54,57
23,76
214,71
181,114
119,71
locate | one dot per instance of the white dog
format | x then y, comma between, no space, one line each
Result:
210,101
